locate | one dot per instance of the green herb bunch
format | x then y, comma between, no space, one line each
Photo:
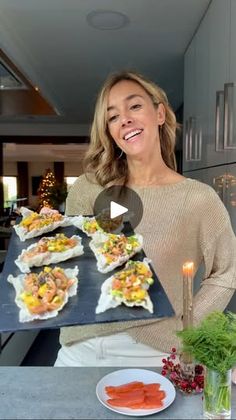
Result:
213,341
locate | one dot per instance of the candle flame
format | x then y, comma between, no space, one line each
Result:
188,268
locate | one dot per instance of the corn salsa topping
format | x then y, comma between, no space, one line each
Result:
133,282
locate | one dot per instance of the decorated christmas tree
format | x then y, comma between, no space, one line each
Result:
44,190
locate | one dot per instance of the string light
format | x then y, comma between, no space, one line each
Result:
44,189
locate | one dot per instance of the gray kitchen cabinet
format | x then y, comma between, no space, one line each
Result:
199,175
219,36
230,199
230,90
223,80
230,193
202,94
196,91
210,115
189,81
215,177
213,107
223,179
189,102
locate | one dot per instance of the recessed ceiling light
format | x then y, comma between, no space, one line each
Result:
107,19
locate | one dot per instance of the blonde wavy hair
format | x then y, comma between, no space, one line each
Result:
102,158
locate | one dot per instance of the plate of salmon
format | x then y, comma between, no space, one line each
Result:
135,392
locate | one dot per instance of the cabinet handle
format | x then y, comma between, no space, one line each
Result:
219,95
228,117
198,154
187,140
191,119
195,141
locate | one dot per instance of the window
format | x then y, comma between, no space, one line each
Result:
9,189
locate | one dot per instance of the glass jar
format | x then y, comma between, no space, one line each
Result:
217,395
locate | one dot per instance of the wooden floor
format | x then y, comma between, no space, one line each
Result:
43,351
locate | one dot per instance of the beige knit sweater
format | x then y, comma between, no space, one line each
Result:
182,221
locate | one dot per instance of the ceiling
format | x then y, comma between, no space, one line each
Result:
54,47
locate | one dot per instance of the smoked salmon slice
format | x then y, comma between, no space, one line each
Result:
130,386
128,394
136,395
152,388
148,403
124,400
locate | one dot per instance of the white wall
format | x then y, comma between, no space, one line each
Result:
73,169
9,168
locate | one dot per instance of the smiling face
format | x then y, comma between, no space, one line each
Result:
133,119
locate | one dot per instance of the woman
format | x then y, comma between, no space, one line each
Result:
132,143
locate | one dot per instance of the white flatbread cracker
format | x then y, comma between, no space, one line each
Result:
79,222
24,234
24,314
46,258
102,265
108,301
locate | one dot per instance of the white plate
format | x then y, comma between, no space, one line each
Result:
123,376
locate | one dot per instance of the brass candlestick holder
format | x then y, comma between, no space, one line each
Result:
184,373
186,360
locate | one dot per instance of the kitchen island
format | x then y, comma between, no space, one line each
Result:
70,393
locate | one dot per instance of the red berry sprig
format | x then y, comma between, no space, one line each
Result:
175,374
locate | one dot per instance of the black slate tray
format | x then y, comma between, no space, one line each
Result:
80,309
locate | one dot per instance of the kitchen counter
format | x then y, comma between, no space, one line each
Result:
69,393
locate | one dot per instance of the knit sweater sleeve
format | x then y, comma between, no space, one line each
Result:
219,243
78,201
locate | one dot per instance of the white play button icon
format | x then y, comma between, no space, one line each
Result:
116,210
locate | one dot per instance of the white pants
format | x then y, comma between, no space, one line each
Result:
113,350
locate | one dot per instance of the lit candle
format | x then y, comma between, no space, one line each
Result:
186,358
188,294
